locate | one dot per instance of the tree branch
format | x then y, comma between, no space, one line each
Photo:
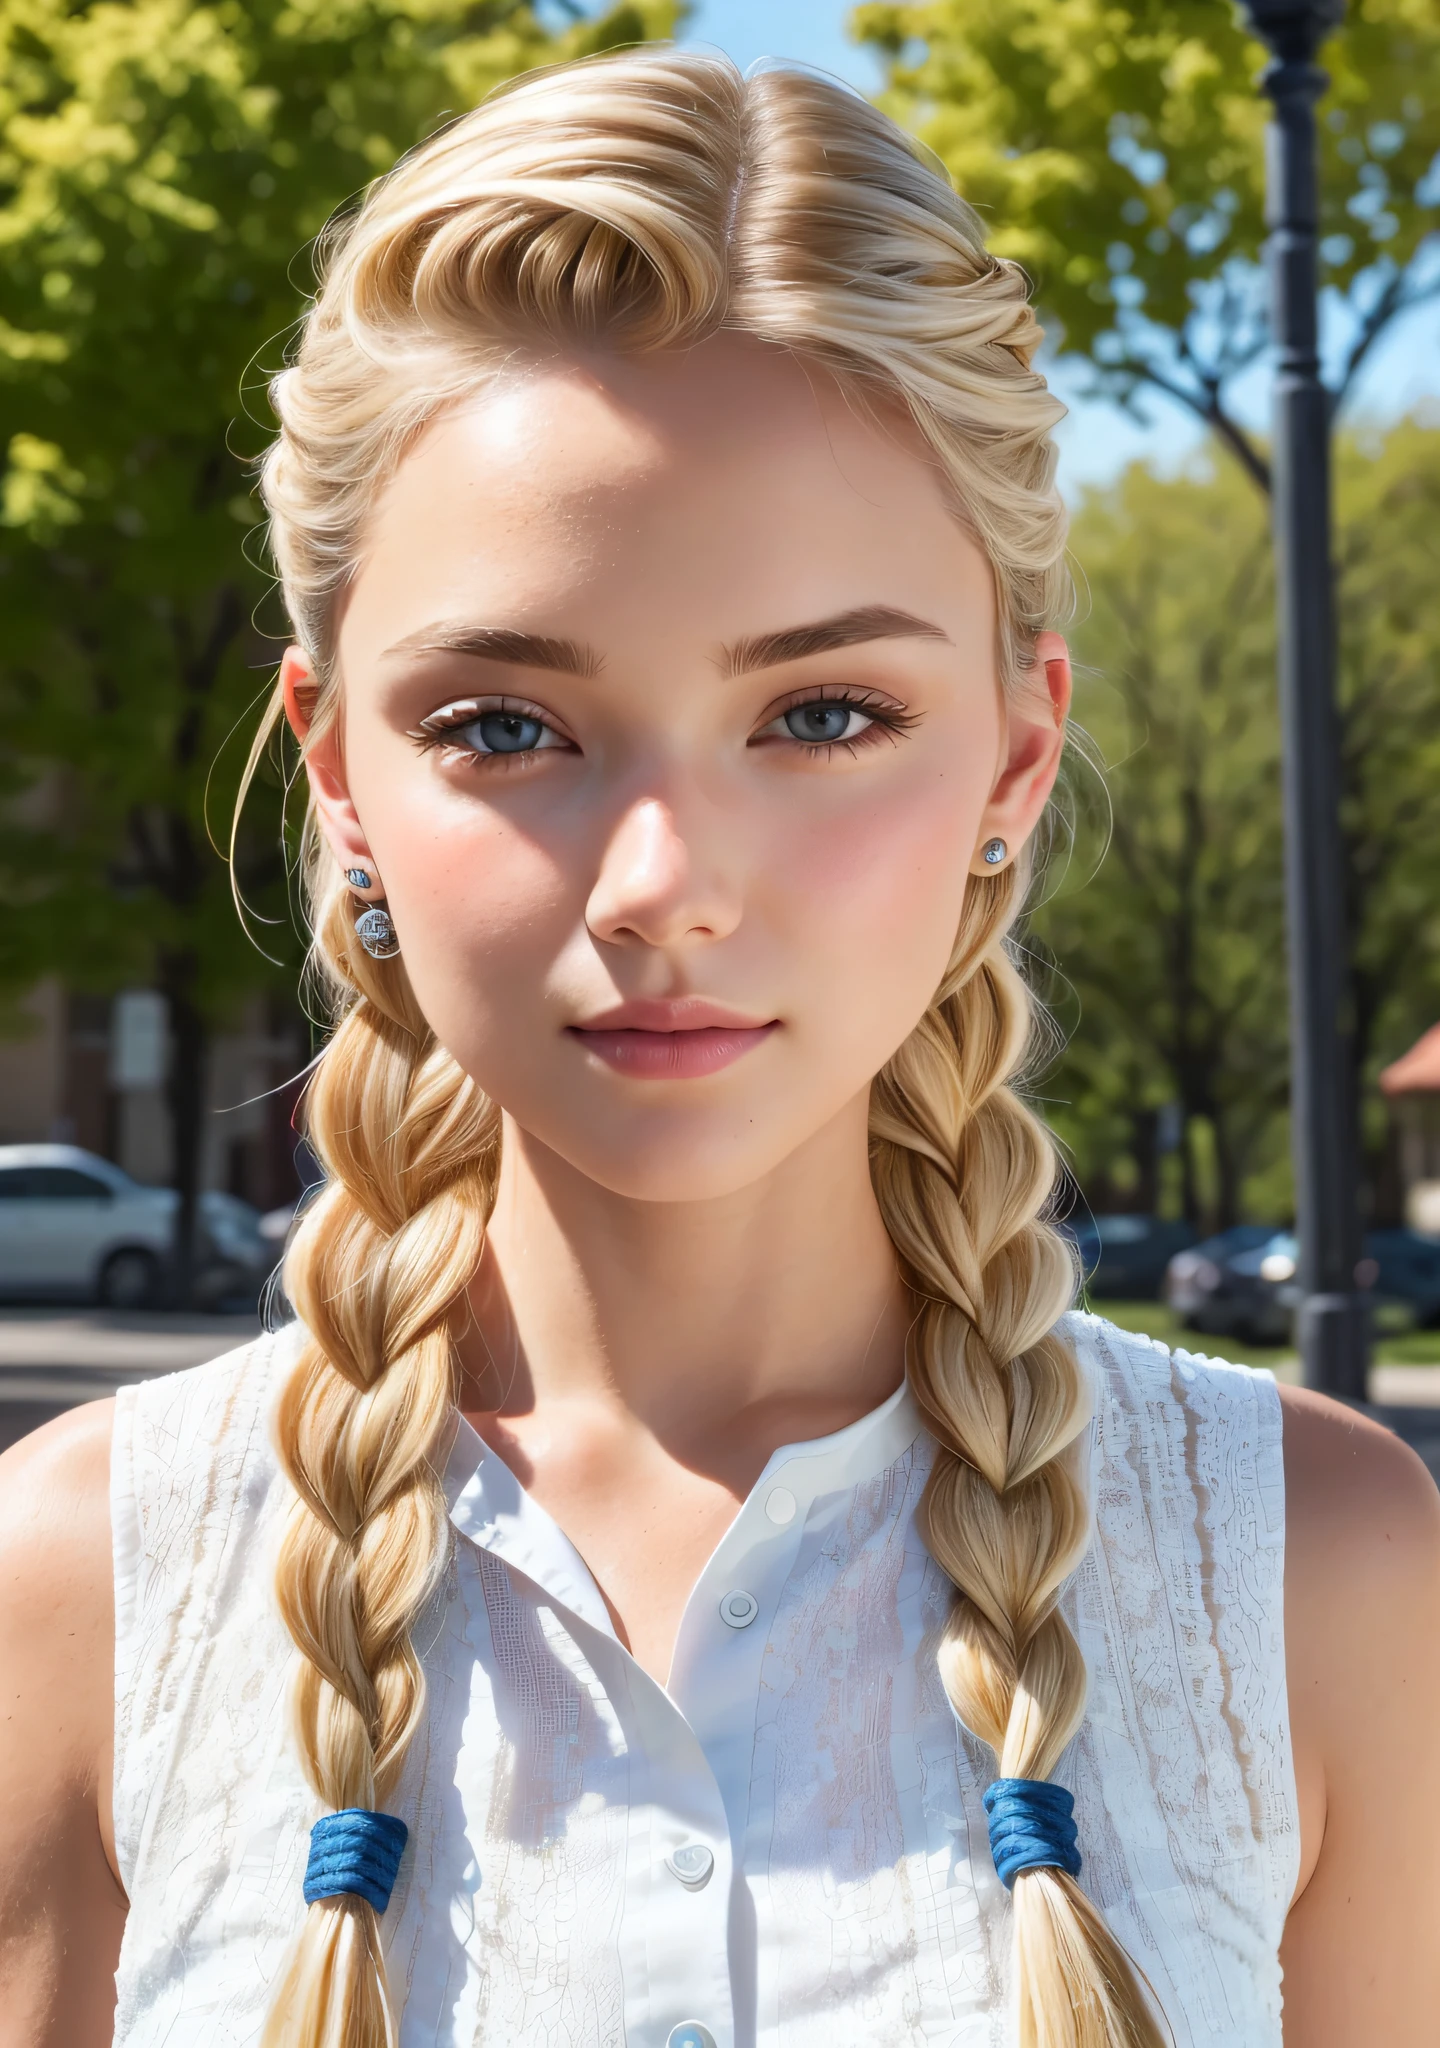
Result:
200,666
1210,410
1392,302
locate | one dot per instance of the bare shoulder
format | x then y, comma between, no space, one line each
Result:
1362,1609
1358,1502
61,1905
1362,1556
1362,1657
57,1606
55,1513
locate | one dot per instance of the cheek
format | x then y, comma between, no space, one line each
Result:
473,895
874,899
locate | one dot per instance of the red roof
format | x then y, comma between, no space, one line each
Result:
1418,1071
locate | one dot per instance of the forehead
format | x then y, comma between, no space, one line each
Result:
729,482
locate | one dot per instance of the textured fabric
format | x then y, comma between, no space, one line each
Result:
806,1758
1032,1827
356,1851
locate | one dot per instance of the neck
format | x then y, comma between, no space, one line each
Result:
722,1328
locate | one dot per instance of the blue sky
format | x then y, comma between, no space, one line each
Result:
813,30
1097,440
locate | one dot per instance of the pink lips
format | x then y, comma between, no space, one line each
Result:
670,1041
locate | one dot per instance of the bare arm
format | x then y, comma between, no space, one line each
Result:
62,1908
1362,1620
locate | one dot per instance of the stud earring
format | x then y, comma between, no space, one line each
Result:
994,852
375,930
358,878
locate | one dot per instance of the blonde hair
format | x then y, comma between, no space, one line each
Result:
646,201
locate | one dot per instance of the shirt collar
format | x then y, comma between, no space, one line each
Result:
488,1504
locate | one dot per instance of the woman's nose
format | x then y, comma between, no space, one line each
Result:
655,889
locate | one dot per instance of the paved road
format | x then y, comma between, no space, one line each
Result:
53,1359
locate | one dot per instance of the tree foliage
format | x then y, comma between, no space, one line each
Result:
1174,947
1168,928
161,163
1389,654
1117,148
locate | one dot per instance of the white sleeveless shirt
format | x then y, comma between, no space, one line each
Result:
784,1849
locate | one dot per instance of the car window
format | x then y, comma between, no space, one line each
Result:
15,1183
65,1184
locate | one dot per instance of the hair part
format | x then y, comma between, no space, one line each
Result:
640,202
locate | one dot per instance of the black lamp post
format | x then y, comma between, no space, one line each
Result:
1332,1322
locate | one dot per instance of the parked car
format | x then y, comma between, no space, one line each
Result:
1125,1257
75,1227
1193,1276
1253,1293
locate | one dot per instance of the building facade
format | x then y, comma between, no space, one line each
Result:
90,1070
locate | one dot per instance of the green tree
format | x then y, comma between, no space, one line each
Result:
1116,145
1173,950
1389,662
1169,939
161,163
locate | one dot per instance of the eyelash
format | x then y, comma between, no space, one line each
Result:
886,722
431,735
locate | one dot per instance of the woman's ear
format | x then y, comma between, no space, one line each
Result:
299,689
325,767
1034,741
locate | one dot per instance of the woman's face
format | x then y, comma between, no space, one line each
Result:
670,728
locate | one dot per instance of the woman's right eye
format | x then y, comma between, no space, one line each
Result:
506,732
496,731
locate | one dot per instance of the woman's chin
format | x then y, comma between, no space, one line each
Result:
666,1154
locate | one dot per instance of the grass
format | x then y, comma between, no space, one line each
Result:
1158,1319
1409,1347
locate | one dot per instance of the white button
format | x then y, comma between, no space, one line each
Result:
780,1505
692,1865
690,2034
738,1610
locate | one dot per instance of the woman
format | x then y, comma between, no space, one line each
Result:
805,1631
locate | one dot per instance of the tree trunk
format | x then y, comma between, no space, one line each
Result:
185,1092
1145,1145
1227,1175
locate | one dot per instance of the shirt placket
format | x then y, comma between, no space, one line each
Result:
687,1937
674,1934
717,1671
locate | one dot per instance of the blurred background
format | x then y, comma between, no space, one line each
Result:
164,169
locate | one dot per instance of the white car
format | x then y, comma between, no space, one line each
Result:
73,1225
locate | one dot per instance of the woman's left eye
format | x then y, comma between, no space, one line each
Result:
823,722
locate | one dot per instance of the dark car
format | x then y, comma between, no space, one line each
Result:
1253,1292
1193,1275
1124,1257
1407,1271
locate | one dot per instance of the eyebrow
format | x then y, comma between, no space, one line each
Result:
845,629
764,650
498,643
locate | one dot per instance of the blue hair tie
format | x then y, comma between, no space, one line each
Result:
355,1851
1031,1827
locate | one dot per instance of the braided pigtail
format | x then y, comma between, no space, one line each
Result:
377,1273
645,201
963,1171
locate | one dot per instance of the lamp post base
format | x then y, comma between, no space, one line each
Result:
1332,1332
